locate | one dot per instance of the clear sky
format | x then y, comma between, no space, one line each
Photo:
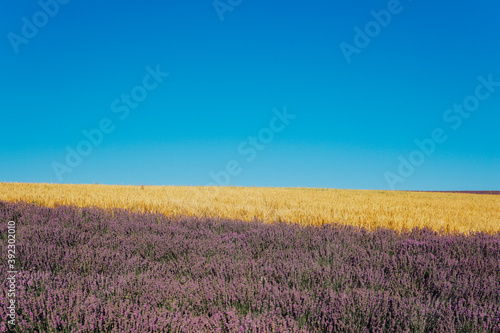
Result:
258,93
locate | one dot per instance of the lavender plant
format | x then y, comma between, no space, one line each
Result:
95,270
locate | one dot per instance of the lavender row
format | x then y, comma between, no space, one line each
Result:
90,270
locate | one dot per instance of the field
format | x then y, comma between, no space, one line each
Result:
447,212
96,258
90,270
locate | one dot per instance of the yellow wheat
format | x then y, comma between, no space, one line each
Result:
371,209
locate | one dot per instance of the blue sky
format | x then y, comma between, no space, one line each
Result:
355,118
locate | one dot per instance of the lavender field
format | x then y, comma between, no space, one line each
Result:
90,270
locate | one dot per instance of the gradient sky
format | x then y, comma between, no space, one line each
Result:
354,121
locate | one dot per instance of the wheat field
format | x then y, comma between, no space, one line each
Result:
445,212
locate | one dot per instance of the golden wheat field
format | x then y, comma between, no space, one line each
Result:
457,212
